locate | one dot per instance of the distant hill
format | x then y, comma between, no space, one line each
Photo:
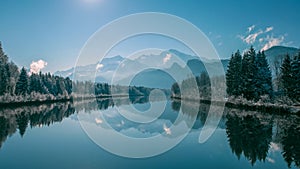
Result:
179,65
153,78
276,54
144,70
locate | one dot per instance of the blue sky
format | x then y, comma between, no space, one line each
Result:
56,30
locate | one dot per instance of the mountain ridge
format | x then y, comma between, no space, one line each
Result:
183,63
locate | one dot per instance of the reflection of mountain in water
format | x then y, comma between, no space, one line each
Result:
196,110
254,134
18,119
289,136
250,134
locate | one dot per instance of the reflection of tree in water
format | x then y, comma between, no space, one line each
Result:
105,103
192,109
5,129
249,135
176,105
56,114
248,132
12,119
22,121
290,140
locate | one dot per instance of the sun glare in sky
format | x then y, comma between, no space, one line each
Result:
92,1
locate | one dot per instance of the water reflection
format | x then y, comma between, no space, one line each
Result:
250,134
13,119
289,136
253,134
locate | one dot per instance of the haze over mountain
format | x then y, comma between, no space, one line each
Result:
276,54
161,70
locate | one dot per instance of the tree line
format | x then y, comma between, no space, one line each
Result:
20,83
105,89
289,83
195,84
250,76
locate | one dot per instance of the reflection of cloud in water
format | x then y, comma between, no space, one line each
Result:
270,160
167,130
98,120
274,147
125,126
137,133
143,130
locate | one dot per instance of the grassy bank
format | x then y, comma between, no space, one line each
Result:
248,105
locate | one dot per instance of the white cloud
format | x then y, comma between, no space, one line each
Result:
99,66
250,28
36,67
272,41
268,29
263,37
218,36
251,38
167,58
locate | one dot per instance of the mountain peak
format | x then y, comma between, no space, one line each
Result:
282,47
113,59
281,51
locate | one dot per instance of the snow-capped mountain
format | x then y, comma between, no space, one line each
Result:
276,54
151,70
160,70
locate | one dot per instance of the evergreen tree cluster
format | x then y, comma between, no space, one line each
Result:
104,89
203,86
8,74
43,84
249,76
13,82
290,77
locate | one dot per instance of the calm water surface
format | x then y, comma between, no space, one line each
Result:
50,136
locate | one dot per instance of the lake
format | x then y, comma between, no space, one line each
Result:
54,136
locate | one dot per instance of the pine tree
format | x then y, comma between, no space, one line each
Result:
60,86
35,84
233,75
263,78
107,89
4,77
286,78
3,57
22,83
175,89
296,77
13,77
68,84
249,72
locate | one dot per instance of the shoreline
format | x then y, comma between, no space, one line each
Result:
50,101
276,109
267,107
